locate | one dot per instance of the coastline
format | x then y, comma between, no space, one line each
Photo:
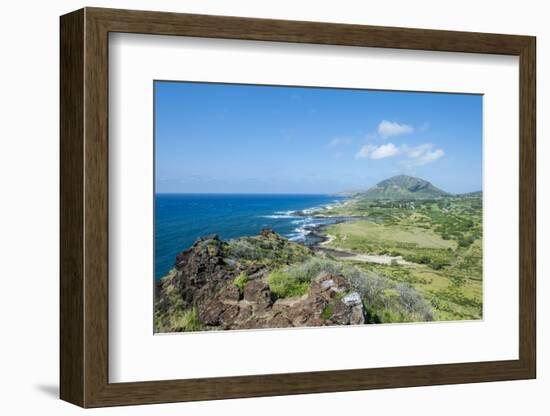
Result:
312,234
338,235
180,219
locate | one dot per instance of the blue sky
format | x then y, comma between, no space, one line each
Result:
225,138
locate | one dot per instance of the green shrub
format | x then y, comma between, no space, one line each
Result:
283,285
244,249
327,312
436,265
240,281
465,242
424,260
310,269
412,301
186,321
385,300
273,250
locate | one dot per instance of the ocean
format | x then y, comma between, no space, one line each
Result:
182,218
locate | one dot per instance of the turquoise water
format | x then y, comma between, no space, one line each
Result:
182,218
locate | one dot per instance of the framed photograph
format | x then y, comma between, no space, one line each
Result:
255,207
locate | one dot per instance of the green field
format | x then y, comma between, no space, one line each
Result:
440,238
369,236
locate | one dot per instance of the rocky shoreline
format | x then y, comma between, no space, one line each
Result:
315,237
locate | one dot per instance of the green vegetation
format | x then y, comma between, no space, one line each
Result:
441,237
189,321
283,285
327,312
371,236
311,268
268,250
176,318
240,281
433,272
384,299
403,187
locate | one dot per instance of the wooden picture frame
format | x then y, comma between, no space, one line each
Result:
84,207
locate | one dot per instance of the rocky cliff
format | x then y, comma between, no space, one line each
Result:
226,285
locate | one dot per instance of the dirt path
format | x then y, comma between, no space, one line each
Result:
344,254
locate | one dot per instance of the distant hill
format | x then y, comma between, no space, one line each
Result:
476,194
403,187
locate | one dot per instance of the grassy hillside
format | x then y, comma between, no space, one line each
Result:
442,239
377,237
403,187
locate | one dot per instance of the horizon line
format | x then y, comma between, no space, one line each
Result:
287,193
246,193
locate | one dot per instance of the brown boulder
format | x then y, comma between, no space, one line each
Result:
201,270
278,321
258,292
229,293
228,316
209,312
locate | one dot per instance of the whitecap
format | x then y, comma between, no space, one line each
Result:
278,216
285,212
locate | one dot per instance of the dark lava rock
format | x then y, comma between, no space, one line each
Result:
203,280
210,312
258,292
229,293
201,270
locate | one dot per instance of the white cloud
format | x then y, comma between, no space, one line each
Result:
419,150
365,151
422,155
429,157
389,129
378,152
337,141
386,150
415,156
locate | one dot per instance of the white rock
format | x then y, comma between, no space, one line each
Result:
352,299
327,284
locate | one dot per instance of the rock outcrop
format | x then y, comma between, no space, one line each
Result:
205,278
328,301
